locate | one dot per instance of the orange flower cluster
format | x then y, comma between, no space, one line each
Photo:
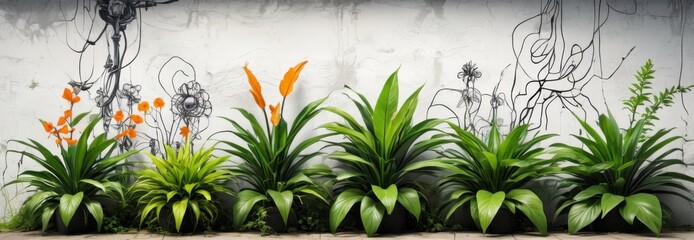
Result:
135,119
286,87
63,130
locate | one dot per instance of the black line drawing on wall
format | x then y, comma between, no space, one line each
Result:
190,105
550,69
115,16
471,102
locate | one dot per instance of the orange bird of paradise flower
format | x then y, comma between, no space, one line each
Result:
275,114
286,87
256,90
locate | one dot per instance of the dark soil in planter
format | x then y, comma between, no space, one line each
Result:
168,222
504,222
613,222
81,222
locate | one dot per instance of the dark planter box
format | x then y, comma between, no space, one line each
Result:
81,222
613,222
166,221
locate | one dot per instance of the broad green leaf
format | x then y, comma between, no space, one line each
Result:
179,209
645,207
388,197
243,205
488,205
68,206
343,203
583,213
609,201
371,215
283,201
95,210
531,206
409,198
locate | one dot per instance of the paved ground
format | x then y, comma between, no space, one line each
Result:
349,236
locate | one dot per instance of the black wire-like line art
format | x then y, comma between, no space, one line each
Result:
116,16
545,72
471,102
190,107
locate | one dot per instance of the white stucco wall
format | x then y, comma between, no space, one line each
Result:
355,43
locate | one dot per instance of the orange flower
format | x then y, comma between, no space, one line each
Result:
132,133
63,130
143,106
48,126
159,103
71,141
256,91
120,135
136,118
61,121
58,141
67,94
275,110
67,114
185,131
287,83
118,116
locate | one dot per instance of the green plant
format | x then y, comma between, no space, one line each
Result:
271,160
78,178
186,182
22,221
375,157
641,96
312,216
624,170
258,223
432,219
113,225
491,175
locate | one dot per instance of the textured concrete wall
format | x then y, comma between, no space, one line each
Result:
357,43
